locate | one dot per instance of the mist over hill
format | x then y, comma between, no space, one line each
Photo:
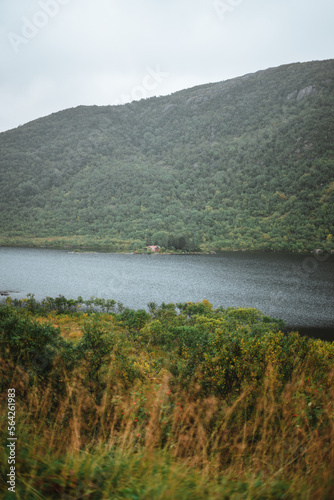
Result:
246,163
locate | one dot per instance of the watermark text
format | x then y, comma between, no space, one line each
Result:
11,476
31,27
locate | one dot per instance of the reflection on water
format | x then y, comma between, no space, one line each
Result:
317,332
296,288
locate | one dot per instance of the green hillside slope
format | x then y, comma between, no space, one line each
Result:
245,163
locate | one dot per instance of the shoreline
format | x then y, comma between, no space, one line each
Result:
91,249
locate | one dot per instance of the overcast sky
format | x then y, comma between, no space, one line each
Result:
57,54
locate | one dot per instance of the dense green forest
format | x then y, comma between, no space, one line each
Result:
182,401
245,163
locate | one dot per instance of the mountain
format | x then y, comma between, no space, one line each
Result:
244,163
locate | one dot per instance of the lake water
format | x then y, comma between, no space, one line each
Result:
296,288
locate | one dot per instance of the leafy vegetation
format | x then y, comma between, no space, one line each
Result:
246,163
183,401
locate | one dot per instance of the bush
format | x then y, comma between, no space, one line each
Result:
201,404
26,342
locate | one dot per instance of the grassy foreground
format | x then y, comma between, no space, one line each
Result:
181,402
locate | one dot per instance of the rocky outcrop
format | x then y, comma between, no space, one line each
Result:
299,95
306,92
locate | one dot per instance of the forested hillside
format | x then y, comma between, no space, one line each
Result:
245,163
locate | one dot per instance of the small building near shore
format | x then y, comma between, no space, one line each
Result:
153,248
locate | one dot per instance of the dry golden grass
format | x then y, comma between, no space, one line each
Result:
283,442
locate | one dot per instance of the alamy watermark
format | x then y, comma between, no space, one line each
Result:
31,27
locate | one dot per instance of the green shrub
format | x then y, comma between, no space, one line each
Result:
26,342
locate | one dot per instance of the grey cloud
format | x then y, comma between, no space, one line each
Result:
84,52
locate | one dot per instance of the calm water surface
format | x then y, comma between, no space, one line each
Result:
296,288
